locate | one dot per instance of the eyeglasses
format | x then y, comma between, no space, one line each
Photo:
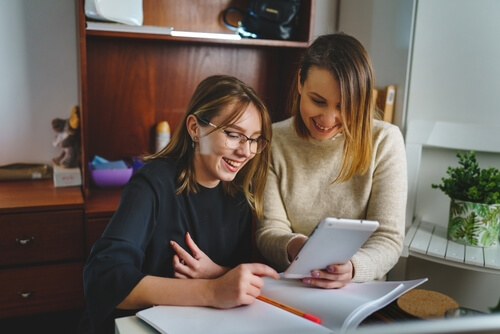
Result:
235,139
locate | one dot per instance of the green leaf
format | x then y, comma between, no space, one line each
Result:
470,183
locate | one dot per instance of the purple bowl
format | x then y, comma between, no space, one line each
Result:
110,178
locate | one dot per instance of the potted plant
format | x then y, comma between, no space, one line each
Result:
475,202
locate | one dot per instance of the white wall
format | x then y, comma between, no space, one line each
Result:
384,28
325,17
456,61
38,76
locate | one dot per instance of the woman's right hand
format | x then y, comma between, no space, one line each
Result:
240,286
197,265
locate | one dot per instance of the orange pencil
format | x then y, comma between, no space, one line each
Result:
290,309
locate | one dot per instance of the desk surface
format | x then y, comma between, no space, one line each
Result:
483,324
38,195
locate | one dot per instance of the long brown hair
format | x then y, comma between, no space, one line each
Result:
213,94
349,63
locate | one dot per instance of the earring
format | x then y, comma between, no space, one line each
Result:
194,139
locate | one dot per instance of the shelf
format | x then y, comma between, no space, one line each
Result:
429,241
147,34
132,77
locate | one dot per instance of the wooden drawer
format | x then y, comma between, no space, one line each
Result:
40,289
42,236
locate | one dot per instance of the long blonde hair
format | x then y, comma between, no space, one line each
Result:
349,63
213,94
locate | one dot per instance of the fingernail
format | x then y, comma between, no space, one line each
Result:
315,274
307,281
330,269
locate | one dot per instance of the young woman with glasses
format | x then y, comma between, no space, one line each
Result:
333,159
182,232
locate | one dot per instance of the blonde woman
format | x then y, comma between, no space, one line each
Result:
332,158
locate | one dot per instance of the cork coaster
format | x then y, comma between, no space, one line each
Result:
425,303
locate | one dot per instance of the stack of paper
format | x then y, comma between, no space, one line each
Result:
339,309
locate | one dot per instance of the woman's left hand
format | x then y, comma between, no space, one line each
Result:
197,265
333,277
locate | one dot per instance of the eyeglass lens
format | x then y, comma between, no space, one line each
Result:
235,140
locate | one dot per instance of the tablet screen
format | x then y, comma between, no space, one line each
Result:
334,240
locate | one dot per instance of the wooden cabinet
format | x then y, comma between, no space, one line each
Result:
41,247
132,81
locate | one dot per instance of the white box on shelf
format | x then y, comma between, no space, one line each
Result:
123,11
67,177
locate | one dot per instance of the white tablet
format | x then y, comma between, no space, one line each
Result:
334,240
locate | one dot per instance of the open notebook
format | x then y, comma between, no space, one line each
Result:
339,309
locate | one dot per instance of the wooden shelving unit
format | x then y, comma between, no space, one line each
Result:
130,81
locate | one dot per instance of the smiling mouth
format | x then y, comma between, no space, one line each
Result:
324,128
232,162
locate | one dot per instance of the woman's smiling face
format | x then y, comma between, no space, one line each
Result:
320,104
213,160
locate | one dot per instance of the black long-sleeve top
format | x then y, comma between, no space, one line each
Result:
136,241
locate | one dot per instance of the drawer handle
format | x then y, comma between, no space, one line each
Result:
24,241
25,294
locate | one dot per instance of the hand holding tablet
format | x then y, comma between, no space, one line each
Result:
333,241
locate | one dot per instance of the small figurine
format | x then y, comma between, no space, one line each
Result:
68,138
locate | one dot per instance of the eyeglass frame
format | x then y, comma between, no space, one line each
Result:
240,135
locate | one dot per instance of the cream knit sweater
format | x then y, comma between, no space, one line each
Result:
299,193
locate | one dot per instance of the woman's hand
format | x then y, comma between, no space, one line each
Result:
240,286
333,277
197,265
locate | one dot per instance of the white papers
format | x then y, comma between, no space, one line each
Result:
259,317
339,309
